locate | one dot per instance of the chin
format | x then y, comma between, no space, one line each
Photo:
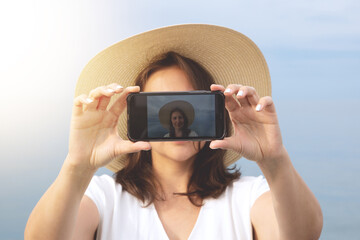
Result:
176,150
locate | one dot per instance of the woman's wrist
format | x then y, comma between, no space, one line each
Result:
76,167
75,177
275,166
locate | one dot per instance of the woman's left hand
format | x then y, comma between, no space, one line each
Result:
256,132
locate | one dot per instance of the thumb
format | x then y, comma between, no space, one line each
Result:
126,146
226,143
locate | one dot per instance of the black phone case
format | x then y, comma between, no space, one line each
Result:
199,138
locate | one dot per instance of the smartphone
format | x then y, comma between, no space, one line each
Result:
174,116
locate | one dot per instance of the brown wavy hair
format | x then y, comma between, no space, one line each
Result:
209,178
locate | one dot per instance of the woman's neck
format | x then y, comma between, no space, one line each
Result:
172,174
178,132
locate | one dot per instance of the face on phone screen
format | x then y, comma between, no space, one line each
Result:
177,115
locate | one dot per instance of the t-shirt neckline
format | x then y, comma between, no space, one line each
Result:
160,225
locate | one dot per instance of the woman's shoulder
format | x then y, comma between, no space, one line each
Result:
248,182
103,186
193,134
104,192
244,180
103,180
248,187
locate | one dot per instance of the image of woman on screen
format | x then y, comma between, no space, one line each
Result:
177,116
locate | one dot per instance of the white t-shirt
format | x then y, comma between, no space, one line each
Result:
123,217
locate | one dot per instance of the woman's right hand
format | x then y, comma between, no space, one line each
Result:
94,140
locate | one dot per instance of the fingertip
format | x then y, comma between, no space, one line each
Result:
119,88
88,100
214,144
266,103
148,147
228,91
133,89
217,87
258,108
144,145
240,94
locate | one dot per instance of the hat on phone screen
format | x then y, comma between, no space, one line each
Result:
165,111
229,56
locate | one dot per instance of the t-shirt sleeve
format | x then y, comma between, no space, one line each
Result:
260,186
97,191
193,134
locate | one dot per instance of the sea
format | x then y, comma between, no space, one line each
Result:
322,138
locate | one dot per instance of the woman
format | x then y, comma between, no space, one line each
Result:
176,190
177,116
177,127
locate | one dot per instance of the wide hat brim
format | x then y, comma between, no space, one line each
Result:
229,56
186,107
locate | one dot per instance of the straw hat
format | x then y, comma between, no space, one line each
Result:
229,56
186,107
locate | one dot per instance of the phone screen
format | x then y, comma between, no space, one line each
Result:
166,116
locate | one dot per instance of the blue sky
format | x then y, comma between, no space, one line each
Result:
312,49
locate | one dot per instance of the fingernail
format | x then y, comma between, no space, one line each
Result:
110,90
89,100
240,93
258,107
214,148
118,87
227,90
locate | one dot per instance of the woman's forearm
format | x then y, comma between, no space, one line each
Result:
297,210
55,214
